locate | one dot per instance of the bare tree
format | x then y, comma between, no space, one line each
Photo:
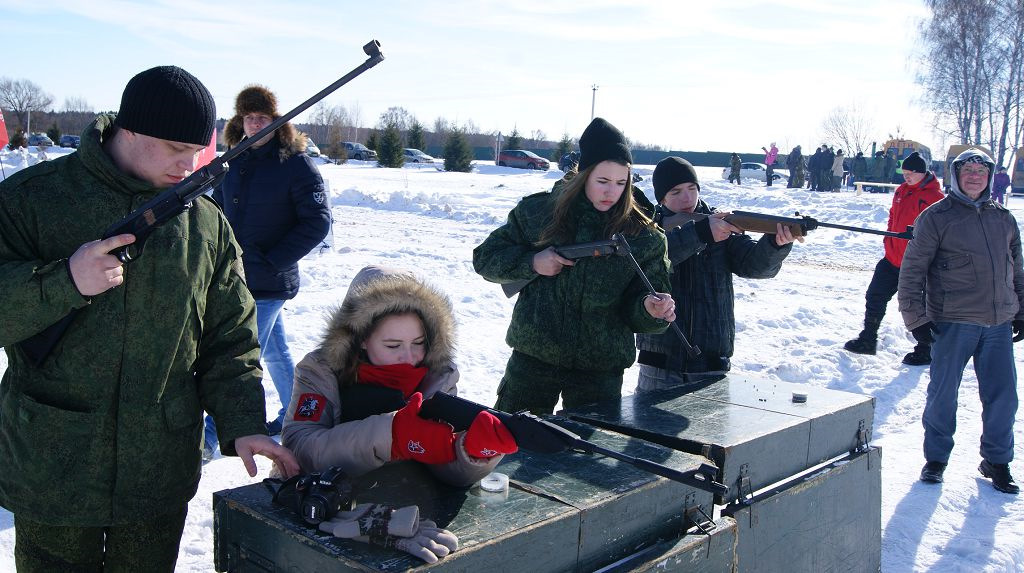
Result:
327,125
848,128
974,59
77,104
23,97
395,117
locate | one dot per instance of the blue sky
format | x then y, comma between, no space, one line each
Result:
730,75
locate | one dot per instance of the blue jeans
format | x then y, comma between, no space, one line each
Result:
992,350
274,354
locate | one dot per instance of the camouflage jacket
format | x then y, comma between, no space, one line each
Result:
584,317
108,428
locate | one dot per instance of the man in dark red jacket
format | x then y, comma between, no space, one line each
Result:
919,190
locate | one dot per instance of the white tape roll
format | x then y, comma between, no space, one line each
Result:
494,481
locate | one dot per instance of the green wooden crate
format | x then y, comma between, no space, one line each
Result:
827,520
564,512
750,428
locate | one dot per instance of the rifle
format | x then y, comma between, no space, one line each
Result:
761,223
178,199
536,435
691,350
572,252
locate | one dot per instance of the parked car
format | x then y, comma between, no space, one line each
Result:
755,171
359,151
311,149
523,159
70,141
39,140
416,156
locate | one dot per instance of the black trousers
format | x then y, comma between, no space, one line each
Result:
881,289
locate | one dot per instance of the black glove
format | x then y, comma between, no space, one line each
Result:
1018,330
923,333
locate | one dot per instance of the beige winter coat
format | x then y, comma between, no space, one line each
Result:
365,444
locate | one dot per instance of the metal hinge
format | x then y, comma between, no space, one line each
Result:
745,491
696,516
863,437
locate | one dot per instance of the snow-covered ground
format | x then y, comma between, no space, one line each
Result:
790,328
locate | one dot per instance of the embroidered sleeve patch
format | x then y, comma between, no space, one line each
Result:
310,407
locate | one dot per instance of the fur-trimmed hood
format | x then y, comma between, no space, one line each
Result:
378,291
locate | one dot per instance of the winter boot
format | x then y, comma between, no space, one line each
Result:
1000,476
932,472
921,356
867,341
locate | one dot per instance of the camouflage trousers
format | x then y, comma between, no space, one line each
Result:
149,545
534,385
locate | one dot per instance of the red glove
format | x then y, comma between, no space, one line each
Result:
413,438
488,437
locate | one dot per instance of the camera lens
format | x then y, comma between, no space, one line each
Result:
314,509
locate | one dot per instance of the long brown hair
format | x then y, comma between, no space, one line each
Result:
625,216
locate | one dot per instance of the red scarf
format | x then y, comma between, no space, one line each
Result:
402,377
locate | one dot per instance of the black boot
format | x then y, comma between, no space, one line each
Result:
932,472
867,341
1000,476
921,356
861,345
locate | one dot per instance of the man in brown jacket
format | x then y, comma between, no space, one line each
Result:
962,281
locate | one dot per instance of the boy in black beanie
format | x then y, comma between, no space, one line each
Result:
127,384
704,253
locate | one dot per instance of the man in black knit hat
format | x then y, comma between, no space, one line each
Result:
704,255
100,443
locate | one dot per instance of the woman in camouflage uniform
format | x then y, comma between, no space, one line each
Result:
572,328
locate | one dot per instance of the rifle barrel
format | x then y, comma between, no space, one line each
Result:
702,478
904,235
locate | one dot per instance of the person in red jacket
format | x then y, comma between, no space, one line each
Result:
919,190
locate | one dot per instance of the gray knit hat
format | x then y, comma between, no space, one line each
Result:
166,102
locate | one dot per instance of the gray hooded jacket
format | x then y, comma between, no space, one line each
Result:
964,264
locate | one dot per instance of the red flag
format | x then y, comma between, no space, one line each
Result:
207,155
3,131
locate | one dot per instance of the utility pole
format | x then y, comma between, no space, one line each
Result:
593,98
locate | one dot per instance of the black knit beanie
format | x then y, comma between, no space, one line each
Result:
915,163
670,172
166,102
602,141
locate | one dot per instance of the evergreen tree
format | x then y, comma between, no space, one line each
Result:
373,141
457,154
564,146
54,133
514,140
415,136
389,151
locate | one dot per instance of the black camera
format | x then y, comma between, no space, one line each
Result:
317,497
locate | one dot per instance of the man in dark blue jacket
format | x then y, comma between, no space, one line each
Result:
274,198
